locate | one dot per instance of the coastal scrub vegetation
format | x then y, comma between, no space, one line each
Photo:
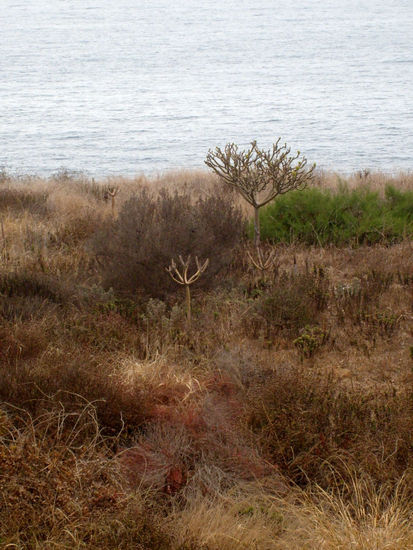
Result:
341,217
135,248
280,418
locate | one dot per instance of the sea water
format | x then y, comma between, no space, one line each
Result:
129,86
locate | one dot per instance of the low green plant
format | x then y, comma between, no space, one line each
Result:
341,217
386,322
310,340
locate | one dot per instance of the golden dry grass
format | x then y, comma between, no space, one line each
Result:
253,519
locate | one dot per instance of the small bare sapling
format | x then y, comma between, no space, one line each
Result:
260,175
180,275
112,192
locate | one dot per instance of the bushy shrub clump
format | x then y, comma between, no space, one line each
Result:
341,217
310,426
135,249
22,198
294,302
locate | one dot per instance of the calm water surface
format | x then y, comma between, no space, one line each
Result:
125,86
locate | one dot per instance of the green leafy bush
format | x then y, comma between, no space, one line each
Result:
310,340
341,217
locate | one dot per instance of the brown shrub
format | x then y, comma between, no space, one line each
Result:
33,284
19,198
72,381
135,249
75,229
309,426
23,340
108,331
294,301
61,488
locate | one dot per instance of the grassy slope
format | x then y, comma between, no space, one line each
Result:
281,420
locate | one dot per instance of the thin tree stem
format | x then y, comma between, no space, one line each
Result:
188,304
257,231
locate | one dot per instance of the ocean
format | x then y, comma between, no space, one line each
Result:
136,86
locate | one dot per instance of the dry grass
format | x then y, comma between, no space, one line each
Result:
375,180
282,419
251,518
60,488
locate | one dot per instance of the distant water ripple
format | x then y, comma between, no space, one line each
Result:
125,86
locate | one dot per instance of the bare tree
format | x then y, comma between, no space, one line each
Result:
260,175
181,276
112,192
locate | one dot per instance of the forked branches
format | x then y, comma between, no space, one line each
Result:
261,260
112,192
260,175
181,276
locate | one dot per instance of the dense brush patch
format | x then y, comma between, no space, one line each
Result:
314,429
149,232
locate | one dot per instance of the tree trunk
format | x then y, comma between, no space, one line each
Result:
188,305
257,232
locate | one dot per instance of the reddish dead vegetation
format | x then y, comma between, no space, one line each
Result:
184,432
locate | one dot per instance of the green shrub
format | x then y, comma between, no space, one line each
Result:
341,217
310,340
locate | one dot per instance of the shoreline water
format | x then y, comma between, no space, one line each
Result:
159,173
125,87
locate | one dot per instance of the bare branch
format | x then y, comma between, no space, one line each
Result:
262,261
180,276
259,175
